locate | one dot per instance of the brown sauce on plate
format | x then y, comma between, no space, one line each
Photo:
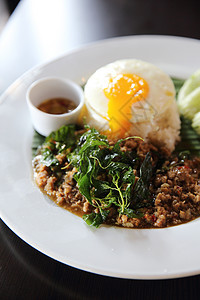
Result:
57,106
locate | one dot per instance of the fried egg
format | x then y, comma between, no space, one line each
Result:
127,96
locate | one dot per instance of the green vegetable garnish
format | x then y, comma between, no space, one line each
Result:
190,139
141,190
58,142
105,174
178,83
189,100
93,157
190,85
196,122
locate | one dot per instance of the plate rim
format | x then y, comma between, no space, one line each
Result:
14,84
17,82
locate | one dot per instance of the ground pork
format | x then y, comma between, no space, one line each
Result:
174,189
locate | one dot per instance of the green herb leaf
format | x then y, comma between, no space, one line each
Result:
184,155
37,141
146,168
130,213
96,219
105,174
48,158
178,83
141,190
93,219
57,142
63,135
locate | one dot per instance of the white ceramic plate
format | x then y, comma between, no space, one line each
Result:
139,254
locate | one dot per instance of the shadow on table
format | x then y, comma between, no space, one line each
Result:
31,274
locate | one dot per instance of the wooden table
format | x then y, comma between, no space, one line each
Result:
38,31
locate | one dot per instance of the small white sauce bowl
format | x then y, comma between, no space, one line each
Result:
49,88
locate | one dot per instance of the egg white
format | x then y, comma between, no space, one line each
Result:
161,89
147,114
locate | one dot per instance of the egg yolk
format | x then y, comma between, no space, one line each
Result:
122,91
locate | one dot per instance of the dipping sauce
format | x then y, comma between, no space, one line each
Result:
57,106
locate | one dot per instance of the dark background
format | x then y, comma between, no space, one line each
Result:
11,4
128,17
26,273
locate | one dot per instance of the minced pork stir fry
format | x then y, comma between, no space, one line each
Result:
126,183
